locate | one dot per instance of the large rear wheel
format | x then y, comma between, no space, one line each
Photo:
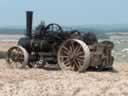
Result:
74,55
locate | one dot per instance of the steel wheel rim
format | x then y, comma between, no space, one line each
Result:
17,57
72,55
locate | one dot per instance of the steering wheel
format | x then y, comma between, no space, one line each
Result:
54,28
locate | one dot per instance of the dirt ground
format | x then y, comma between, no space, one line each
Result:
40,82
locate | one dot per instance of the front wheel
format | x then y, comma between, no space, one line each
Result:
17,57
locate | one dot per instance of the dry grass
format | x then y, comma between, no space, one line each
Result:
40,82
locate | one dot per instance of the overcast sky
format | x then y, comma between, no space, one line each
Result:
64,12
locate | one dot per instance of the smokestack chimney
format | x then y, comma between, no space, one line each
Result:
29,16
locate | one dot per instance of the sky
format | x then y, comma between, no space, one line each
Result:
64,12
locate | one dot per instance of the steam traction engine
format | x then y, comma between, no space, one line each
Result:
49,44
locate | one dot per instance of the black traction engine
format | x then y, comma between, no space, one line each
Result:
50,44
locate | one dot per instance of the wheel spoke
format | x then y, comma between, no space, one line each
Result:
10,60
14,52
64,56
72,66
72,46
79,59
78,49
64,52
17,49
77,65
82,57
65,48
67,61
80,53
67,64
